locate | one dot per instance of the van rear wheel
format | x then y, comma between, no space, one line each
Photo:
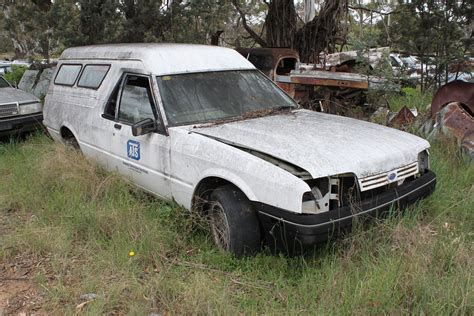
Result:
233,221
71,142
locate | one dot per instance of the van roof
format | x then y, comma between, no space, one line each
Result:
164,59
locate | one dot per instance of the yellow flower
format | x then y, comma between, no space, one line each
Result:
131,253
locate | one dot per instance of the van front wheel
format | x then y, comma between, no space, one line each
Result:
234,223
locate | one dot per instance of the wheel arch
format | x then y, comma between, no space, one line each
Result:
68,136
210,182
66,131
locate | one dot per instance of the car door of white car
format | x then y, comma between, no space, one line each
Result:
143,159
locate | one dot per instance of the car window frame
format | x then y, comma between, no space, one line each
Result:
102,81
77,77
156,111
124,80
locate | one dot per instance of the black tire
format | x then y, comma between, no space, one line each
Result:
233,221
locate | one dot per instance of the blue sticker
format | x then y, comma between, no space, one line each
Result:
133,150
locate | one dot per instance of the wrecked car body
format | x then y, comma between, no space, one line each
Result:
20,111
202,126
329,88
452,114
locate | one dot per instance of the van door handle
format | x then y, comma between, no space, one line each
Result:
117,126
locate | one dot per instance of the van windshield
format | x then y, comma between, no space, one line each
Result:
214,96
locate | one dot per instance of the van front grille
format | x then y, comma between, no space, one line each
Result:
9,109
385,178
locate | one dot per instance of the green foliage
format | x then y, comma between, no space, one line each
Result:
64,19
15,75
26,23
433,30
48,27
367,28
411,98
77,224
99,21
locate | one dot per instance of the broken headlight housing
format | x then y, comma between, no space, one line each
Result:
423,161
30,108
318,199
330,193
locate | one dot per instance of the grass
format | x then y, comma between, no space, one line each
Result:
411,98
78,223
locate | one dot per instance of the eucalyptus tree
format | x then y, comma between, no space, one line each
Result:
283,27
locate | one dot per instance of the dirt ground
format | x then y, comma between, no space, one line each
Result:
18,293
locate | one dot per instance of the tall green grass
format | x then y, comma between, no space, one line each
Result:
79,223
411,98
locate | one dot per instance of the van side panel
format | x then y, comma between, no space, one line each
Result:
79,109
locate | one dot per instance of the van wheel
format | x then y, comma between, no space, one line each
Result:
71,142
234,223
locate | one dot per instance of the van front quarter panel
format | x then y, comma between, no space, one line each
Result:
195,157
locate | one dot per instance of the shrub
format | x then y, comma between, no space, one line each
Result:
15,75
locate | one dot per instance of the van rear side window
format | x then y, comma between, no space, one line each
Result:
67,74
92,76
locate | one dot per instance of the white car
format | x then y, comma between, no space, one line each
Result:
201,126
20,111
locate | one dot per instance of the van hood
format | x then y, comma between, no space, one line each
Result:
11,95
322,144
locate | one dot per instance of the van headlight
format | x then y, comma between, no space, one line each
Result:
29,108
424,161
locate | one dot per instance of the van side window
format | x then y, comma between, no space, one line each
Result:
136,103
111,105
67,74
92,76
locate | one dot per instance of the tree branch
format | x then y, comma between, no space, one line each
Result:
249,30
372,10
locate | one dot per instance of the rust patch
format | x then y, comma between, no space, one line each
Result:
271,61
312,81
455,91
287,87
404,116
455,120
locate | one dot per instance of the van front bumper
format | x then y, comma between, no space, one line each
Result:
291,232
20,124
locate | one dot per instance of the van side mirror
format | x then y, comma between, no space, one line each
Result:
144,127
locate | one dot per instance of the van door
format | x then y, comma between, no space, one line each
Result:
143,159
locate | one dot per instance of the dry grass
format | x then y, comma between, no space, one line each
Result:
68,227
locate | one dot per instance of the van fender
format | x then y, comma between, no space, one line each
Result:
230,177
72,129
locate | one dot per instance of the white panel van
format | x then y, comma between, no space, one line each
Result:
201,126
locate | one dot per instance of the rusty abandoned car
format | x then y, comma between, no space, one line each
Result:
200,125
20,111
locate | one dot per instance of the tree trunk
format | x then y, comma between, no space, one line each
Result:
280,24
320,34
215,37
309,40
